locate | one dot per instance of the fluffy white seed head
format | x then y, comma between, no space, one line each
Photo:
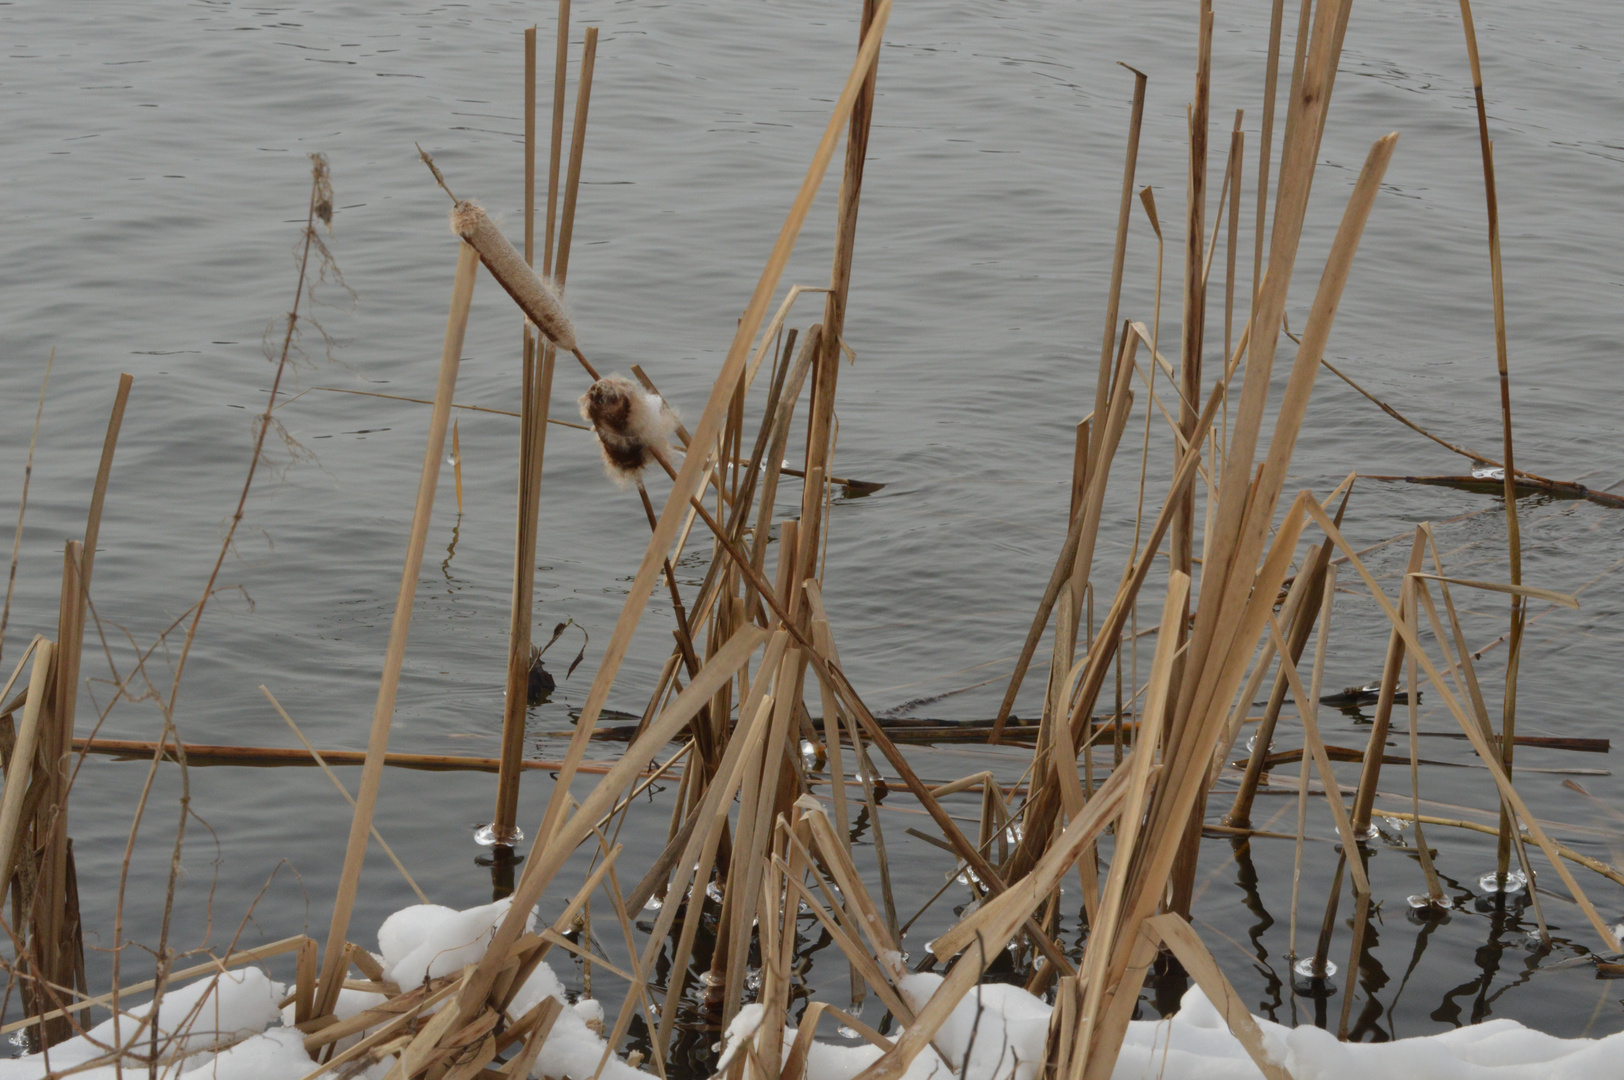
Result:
631,424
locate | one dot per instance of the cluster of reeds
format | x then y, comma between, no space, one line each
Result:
1250,577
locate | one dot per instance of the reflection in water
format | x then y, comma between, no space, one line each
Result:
1371,1018
454,584
1246,878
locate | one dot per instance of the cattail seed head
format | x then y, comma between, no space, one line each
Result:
631,424
535,296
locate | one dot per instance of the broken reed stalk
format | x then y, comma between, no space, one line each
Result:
1508,719
572,182
1194,325
55,940
826,370
1194,320
1119,254
462,292
560,71
277,756
530,145
20,761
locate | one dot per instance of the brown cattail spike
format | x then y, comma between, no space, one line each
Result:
631,424
534,295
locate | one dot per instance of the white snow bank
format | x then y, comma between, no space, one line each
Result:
1002,1031
1194,1042
233,1006
825,1061
429,941
426,941
238,1033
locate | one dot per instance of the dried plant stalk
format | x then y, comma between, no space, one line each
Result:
462,293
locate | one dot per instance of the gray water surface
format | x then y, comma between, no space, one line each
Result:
154,185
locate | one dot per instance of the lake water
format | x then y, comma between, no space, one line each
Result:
154,184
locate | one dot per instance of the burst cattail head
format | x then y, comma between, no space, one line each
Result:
535,296
631,425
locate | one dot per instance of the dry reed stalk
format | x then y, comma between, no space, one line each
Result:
1119,254
231,959
1184,773
1250,510
1193,326
1237,153
22,500
1224,203
530,145
456,464
1377,745
69,665
553,846
1148,200
462,292
282,755
535,401
1077,552
1181,940
535,397
572,181
1472,730
827,369
693,468
1090,985
1114,423
1508,719
560,73
1300,612
1299,156
1271,84
1412,685
21,760
1042,797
